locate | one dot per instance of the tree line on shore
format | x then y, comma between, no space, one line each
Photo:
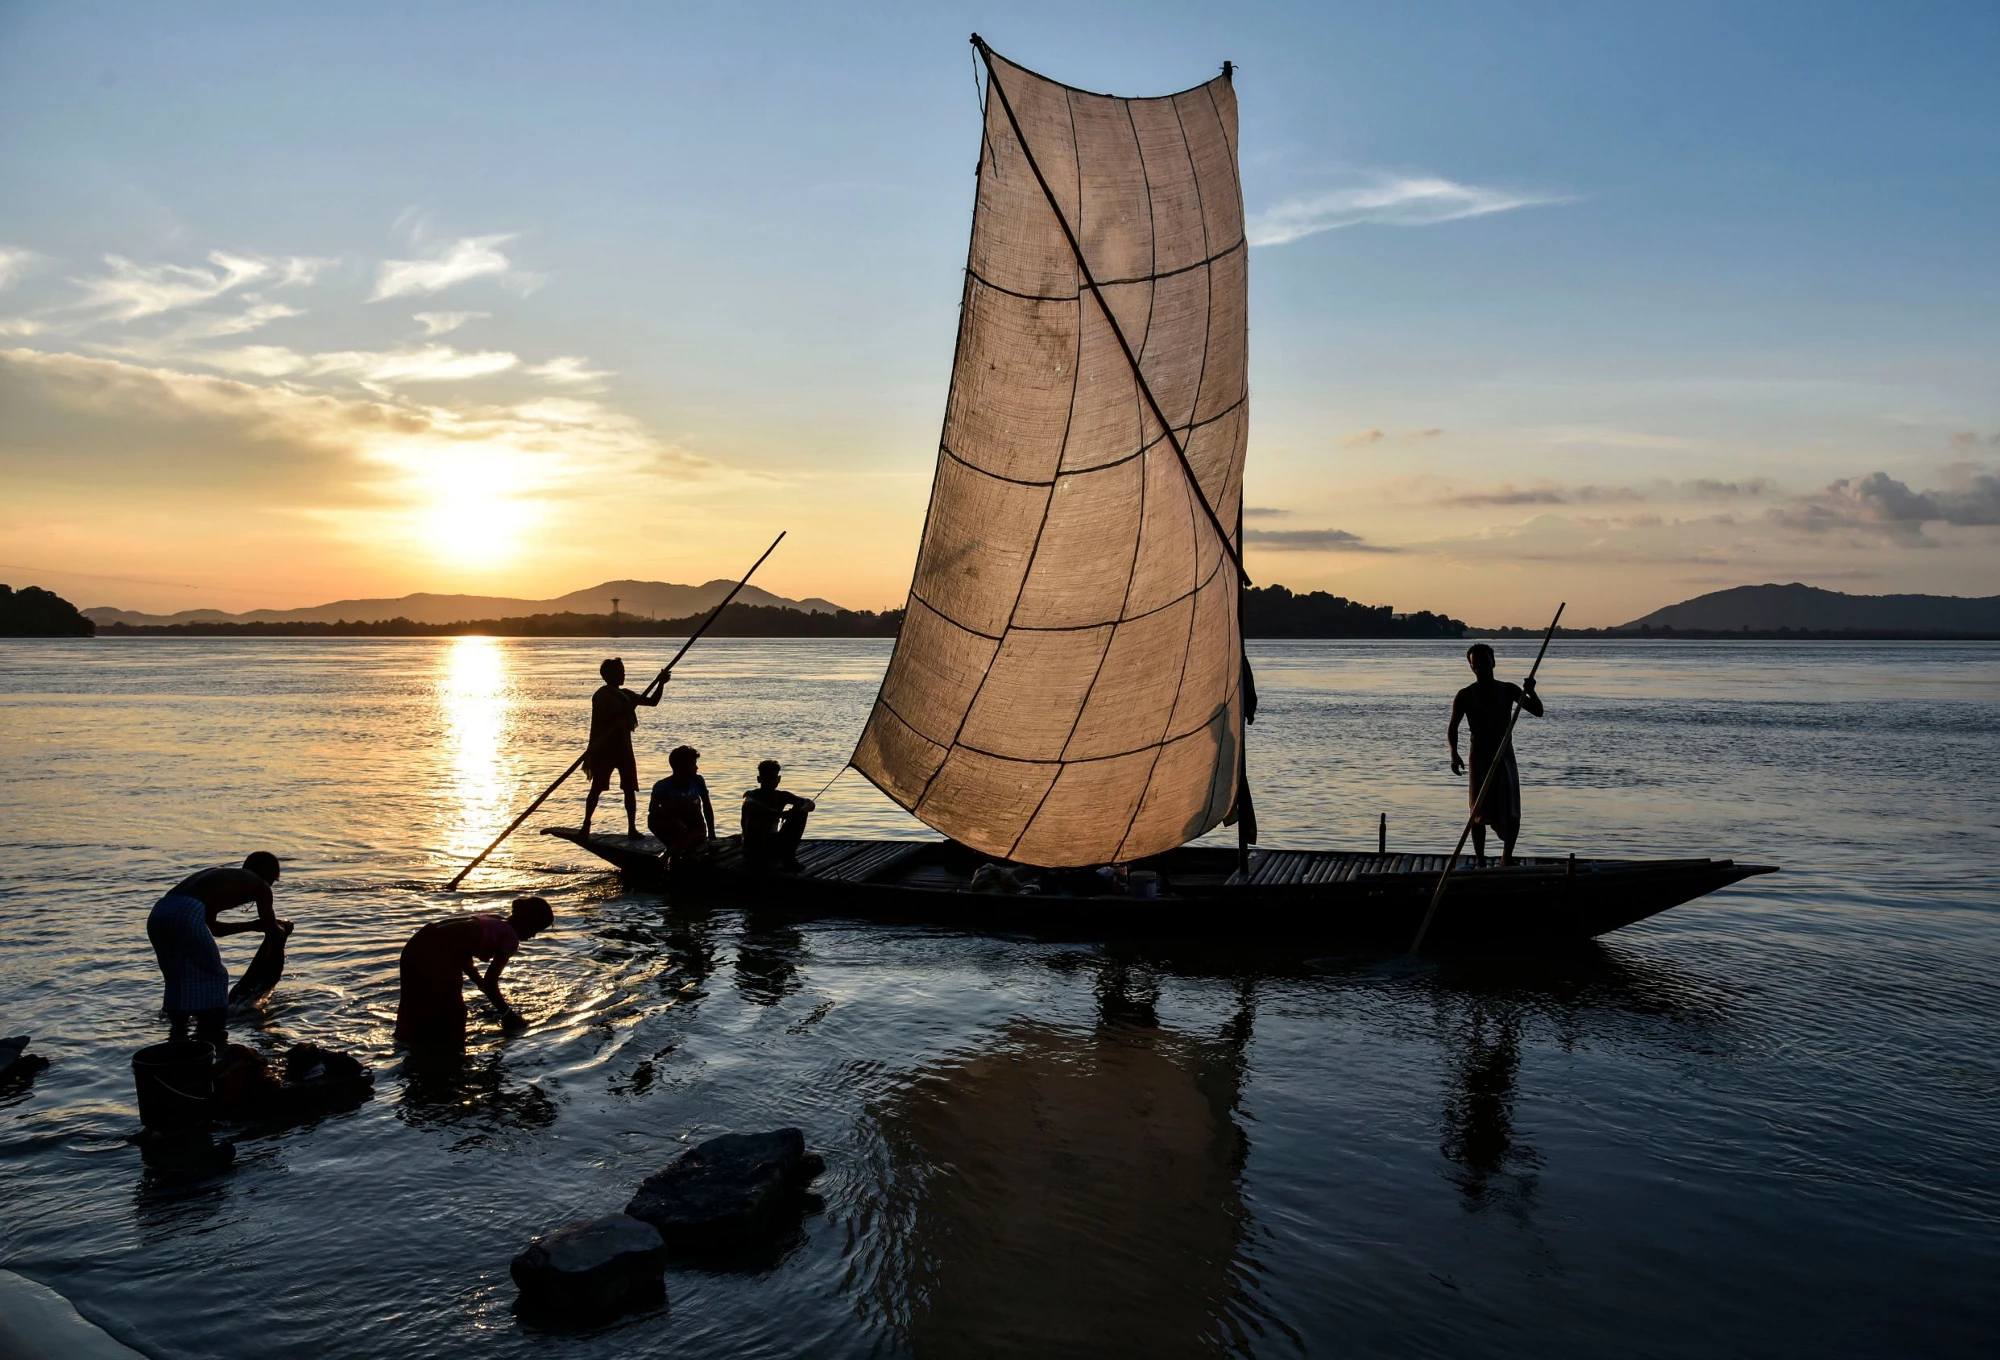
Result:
738,620
34,612
1268,612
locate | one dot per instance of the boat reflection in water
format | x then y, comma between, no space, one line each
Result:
475,699
1065,1191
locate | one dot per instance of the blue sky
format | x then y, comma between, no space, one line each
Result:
1614,303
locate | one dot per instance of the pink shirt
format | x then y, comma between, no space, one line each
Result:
497,939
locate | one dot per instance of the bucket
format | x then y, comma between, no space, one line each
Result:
175,1080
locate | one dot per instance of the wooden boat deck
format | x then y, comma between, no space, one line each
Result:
1357,896
877,861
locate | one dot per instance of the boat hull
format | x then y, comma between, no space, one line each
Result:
1360,901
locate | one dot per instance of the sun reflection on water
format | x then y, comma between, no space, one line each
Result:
475,694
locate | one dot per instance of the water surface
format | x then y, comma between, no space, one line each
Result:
1762,1124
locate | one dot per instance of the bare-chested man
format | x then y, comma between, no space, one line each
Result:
1485,705
183,927
614,712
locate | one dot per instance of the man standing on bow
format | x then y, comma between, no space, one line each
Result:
614,712
1485,706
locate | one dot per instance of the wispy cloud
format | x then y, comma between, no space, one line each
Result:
14,262
257,361
1507,494
131,290
569,370
470,258
429,363
1263,512
1359,438
19,325
1401,201
1311,540
1609,437
442,323
258,314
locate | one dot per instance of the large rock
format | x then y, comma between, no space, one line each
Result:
595,1267
729,1193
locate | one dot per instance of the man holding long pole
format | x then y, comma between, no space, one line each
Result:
1487,707
614,712
666,671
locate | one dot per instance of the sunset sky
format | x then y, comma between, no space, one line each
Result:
1612,303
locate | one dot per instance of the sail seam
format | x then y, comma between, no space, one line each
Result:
1075,392
1194,530
1155,747
1061,473
1070,627
1108,283
1139,527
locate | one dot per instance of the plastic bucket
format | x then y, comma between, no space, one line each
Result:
175,1081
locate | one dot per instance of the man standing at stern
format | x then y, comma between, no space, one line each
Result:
1485,706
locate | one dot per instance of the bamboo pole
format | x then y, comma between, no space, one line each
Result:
659,682
1485,787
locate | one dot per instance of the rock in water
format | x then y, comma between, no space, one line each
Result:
595,1267
730,1192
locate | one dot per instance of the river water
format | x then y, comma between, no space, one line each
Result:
1763,1124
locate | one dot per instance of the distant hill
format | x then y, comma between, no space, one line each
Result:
657,599
739,620
1805,608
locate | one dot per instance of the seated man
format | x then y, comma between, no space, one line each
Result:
774,821
680,813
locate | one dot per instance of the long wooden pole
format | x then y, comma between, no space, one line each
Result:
658,681
1485,787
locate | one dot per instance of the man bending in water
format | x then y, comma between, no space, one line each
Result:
183,927
430,1002
614,712
774,821
1485,706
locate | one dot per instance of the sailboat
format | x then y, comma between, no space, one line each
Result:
1068,697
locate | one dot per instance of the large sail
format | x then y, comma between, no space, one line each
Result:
1066,689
